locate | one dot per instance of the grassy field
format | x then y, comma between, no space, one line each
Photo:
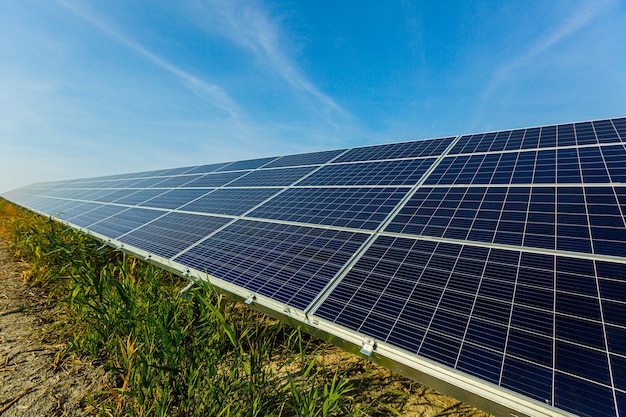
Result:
197,354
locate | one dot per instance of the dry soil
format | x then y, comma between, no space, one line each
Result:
33,379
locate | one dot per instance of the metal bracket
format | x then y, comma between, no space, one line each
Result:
188,286
250,298
368,347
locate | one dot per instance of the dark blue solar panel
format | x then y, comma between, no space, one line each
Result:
52,205
178,181
171,234
290,264
138,197
272,177
575,219
403,172
362,208
61,193
620,127
124,222
176,198
88,195
204,169
230,201
56,207
454,304
216,180
113,195
586,133
605,131
176,171
148,182
312,158
92,216
415,149
572,165
66,212
582,397
247,164
122,183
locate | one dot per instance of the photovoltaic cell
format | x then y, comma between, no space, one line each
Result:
205,169
148,182
215,180
585,133
598,165
247,164
53,206
415,149
402,172
230,201
138,197
576,219
124,222
70,211
361,208
112,195
453,304
173,182
171,234
313,158
176,171
175,198
271,177
290,264
93,216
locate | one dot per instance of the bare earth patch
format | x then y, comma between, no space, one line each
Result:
33,379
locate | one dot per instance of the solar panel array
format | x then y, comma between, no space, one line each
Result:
500,256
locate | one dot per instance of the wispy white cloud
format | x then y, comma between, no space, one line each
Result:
250,27
212,94
581,18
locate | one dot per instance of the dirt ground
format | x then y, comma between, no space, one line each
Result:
33,381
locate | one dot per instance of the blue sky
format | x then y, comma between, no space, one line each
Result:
94,88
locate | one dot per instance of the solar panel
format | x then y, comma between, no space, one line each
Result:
399,172
313,158
287,263
171,234
272,177
204,169
414,149
490,265
171,182
359,208
230,201
93,216
172,199
216,180
247,164
123,222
